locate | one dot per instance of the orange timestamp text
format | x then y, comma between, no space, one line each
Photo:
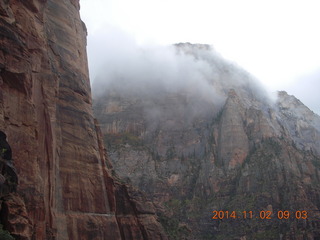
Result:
259,215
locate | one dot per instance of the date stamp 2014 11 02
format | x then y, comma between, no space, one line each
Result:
260,215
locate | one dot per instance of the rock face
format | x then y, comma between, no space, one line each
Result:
193,156
302,124
66,190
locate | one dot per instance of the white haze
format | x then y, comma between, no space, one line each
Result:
152,71
277,41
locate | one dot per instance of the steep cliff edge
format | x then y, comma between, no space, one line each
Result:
45,109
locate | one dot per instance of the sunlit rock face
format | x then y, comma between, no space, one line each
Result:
225,146
66,190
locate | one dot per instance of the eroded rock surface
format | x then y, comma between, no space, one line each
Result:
192,155
45,110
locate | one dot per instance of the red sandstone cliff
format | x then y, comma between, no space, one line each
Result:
65,190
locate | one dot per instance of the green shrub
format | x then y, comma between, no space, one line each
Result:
4,234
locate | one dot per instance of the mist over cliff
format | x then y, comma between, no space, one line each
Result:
187,128
152,70
197,133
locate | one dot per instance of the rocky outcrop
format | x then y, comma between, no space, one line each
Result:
192,156
45,109
13,213
302,124
233,145
14,216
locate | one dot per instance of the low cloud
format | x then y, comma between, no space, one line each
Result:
119,65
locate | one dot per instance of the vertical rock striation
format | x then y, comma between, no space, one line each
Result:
45,109
233,145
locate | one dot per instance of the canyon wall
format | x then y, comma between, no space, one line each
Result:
193,156
66,189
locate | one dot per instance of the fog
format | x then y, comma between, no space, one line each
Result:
129,67
153,71
275,49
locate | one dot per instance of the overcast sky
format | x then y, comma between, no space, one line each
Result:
277,41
